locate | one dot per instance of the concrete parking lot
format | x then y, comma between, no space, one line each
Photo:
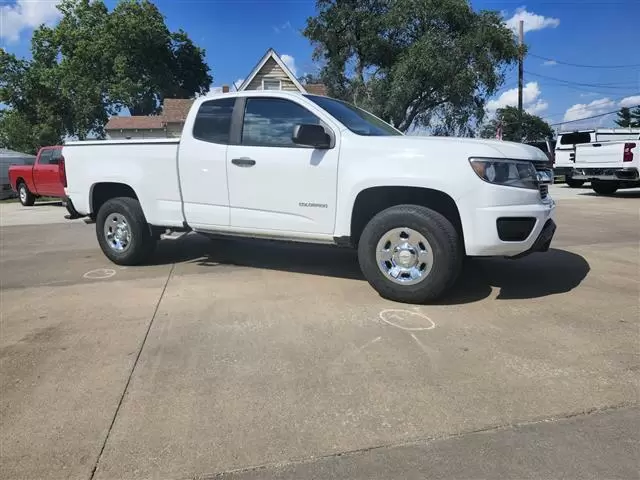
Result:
245,359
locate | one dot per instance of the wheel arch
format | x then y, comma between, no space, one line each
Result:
101,192
372,200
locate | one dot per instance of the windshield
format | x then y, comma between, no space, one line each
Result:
354,118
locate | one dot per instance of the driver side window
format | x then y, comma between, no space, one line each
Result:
269,122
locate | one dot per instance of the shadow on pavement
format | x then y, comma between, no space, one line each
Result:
534,276
631,193
538,275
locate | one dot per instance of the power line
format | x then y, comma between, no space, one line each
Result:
594,85
557,114
592,90
581,65
589,118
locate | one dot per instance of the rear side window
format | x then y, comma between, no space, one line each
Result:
213,121
45,157
55,156
575,138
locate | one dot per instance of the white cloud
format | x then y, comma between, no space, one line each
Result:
531,20
549,63
26,15
630,101
588,94
281,28
290,62
537,108
531,100
584,110
597,107
213,91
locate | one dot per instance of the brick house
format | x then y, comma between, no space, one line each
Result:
270,73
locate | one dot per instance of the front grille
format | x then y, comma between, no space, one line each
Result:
544,191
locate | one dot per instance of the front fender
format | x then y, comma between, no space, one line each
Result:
346,200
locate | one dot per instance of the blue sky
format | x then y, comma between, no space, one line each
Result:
236,34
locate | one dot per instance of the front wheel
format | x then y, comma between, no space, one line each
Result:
27,199
410,254
604,188
123,233
574,183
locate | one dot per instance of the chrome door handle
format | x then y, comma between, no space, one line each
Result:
244,162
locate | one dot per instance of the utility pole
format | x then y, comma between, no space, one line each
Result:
520,74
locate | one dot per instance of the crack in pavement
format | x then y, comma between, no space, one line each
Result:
415,442
133,368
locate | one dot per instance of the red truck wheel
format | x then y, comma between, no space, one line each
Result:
26,197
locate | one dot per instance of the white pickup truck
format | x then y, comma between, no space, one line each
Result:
567,144
609,166
308,168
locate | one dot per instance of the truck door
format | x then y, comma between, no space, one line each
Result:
275,184
55,186
202,164
45,172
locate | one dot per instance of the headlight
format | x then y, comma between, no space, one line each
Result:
510,173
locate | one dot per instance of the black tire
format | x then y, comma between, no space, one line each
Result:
574,183
142,243
27,198
446,246
604,188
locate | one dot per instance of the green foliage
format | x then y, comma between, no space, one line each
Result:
94,63
412,62
628,117
36,113
309,78
534,128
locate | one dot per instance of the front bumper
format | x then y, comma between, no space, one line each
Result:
482,235
543,242
617,173
562,171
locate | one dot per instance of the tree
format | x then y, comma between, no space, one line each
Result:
624,117
35,116
534,128
309,78
635,114
94,63
628,117
411,61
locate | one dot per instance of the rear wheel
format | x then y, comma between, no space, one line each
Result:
410,254
574,183
604,188
123,233
27,198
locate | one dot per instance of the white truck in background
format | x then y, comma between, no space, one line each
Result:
568,142
609,166
306,168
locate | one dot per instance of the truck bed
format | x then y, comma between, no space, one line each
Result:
148,166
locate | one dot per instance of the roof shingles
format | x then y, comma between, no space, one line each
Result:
135,122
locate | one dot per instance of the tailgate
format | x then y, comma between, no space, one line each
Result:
599,153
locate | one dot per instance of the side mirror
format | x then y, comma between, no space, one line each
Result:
311,135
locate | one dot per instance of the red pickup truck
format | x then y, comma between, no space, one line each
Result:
45,178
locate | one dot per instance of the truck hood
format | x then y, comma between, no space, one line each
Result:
476,147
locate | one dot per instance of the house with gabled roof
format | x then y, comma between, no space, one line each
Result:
270,73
